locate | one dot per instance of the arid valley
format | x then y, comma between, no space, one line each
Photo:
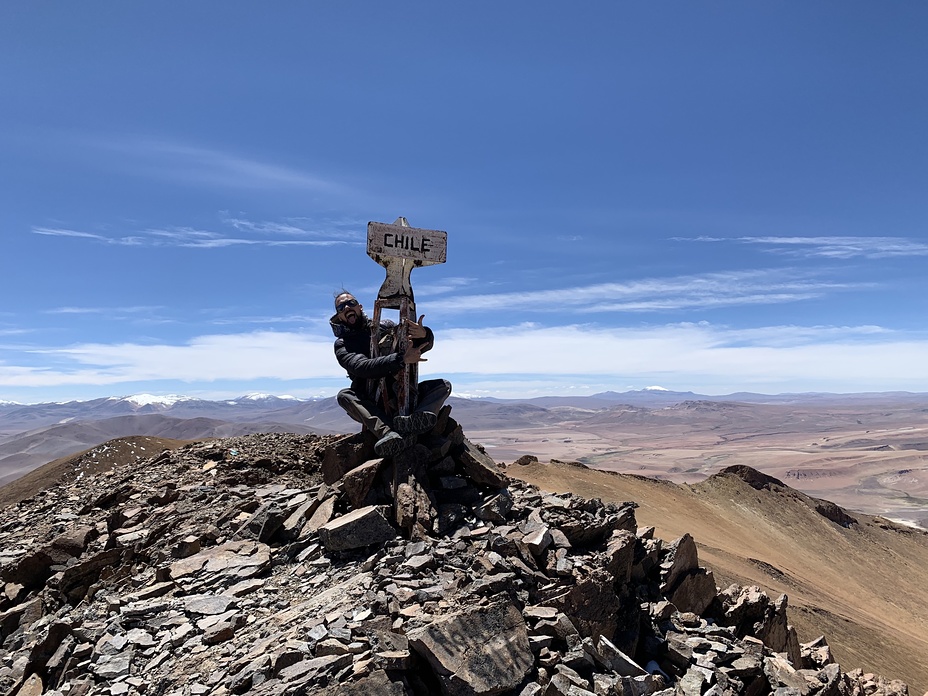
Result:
867,457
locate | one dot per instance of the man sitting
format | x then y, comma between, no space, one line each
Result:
352,329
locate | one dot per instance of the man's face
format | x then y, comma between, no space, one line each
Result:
348,314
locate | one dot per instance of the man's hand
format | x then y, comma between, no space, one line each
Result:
415,330
413,355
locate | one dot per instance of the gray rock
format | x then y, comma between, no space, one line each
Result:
538,540
681,559
187,610
692,683
343,456
323,515
219,633
235,559
816,654
112,666
780,672
186,547
357,482
306,670
358,529
778,635
694,592
480,468
263,523
209,604
620,554
614,659
495,508
479,651
31,687
375,684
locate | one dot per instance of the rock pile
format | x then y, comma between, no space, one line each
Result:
281,564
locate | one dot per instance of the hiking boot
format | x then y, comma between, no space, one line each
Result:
391,444
415,423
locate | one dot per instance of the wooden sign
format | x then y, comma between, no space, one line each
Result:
424,247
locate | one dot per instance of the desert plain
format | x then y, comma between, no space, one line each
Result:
869,457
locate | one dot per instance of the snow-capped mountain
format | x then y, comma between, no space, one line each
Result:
152,400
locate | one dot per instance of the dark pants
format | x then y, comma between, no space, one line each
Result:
432,394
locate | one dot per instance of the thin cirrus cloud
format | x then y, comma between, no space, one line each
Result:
105,311
833,247
77,234
189,237
454,284
707,290
210,167
346,230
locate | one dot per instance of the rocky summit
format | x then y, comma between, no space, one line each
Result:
297,564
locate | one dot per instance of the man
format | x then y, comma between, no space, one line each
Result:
352,329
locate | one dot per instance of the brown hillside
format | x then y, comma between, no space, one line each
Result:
862,586
112,454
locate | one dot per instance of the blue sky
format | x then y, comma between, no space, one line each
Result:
710,196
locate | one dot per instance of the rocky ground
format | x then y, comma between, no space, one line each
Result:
285,564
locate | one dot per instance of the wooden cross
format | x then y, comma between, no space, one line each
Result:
399,248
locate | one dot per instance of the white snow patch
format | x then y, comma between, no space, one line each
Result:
905,523
267,397
656,389
148,399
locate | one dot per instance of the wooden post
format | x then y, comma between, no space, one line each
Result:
399,248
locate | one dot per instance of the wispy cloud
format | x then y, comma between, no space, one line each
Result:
105,311
270,320
708,290
447,285
833,247
177,161
241,232
347,230
63,232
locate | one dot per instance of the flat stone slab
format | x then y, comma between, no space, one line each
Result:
357,529
209,604
242,559
481,651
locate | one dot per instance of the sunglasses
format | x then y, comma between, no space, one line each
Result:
347,303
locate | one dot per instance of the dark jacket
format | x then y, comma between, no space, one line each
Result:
353,351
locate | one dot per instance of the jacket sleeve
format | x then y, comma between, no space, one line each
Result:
426,343
358,365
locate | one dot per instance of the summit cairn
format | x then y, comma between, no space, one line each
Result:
428,488
280,565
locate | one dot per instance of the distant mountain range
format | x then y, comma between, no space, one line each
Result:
34,434
653,397
325,416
